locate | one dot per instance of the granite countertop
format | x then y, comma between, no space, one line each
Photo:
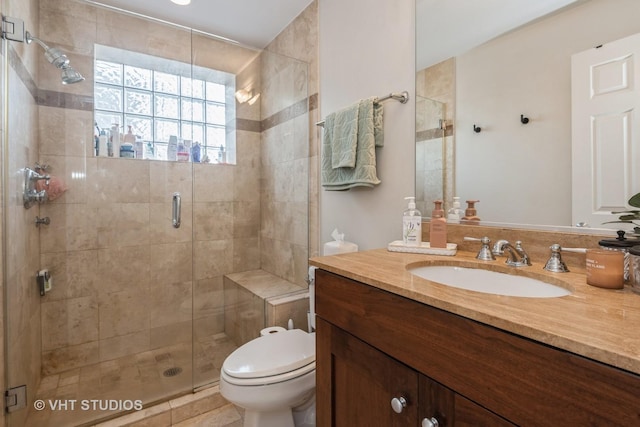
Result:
600,324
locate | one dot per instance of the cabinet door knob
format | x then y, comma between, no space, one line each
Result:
398,404
430,422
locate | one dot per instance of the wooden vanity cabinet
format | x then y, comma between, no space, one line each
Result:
373,346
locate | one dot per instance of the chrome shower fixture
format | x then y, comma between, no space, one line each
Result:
58,59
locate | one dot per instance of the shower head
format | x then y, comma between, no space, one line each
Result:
56,57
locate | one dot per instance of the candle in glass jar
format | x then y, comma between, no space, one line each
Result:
605,269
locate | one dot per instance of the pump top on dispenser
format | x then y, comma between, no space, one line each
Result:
411,224
470,214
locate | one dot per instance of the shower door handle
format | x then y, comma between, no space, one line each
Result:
176,210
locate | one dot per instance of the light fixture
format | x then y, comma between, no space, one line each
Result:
181,2
246,95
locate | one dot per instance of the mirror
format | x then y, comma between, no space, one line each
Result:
474,90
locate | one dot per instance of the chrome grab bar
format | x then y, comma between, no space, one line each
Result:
176,210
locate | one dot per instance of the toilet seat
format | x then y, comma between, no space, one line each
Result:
272,358
311,367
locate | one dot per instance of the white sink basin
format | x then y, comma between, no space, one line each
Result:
490,282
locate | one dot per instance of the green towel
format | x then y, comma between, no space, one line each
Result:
369,135
342,128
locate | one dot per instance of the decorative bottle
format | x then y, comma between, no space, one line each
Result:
412,224
438,227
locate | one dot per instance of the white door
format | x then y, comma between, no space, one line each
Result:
605,98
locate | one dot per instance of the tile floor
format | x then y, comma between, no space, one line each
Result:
136,377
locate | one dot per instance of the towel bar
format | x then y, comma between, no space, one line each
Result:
403,97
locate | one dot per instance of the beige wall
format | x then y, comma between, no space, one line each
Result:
367,48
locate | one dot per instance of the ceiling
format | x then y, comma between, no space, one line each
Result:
253,23
447,28
444,28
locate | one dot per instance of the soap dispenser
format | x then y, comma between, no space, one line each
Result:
453,215
470,214
438,227
412,224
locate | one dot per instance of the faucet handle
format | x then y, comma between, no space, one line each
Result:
484,254
555,263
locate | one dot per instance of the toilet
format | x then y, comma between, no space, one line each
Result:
273,377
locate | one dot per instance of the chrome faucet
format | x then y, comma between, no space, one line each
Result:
516,255
30,194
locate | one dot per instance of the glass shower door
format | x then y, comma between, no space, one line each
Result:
433,158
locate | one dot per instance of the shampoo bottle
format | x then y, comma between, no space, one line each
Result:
103,144
412,224
438,227
115,141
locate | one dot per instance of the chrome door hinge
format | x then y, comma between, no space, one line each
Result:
15,398
12,29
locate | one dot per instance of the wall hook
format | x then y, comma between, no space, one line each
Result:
524,120
477,129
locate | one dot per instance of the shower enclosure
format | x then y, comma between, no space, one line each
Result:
136,312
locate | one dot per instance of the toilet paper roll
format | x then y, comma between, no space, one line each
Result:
271,330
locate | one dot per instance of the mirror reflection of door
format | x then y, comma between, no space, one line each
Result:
605,130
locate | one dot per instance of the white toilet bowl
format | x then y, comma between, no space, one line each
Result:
273,378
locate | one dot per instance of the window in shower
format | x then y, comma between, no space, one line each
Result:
164,100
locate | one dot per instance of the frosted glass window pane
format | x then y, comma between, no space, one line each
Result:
166,83
164,129
167,106
215,113
186,112
137,77
192,110
108,72
215,92
193,131
215,137
186,87
186,129
198,89
198,133
142,126
105,120
108,98
138,102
